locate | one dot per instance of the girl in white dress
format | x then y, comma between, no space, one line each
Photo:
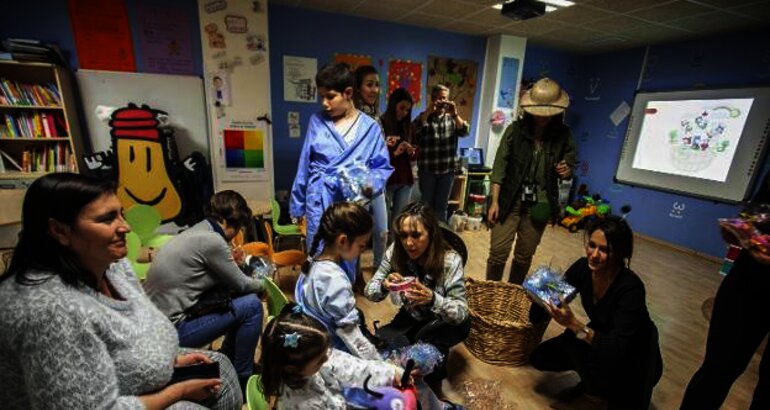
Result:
304,372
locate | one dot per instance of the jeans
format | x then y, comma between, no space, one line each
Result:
242,326
379,213
398,198
435,191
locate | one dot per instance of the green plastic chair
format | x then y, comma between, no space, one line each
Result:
275,214
255,400
134,245
276,300
144,221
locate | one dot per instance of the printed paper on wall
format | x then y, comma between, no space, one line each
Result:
299,79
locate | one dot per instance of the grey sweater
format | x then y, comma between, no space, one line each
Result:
193,262
63,347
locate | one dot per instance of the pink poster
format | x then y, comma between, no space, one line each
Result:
165,42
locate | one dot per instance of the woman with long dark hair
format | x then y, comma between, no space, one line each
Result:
434,308
78,332
397,126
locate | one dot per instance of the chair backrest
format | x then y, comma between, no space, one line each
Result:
276,300
275,210
255,400
269,233
455,242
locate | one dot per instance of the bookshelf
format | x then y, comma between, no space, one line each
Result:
39,128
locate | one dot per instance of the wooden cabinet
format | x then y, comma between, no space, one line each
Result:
39,128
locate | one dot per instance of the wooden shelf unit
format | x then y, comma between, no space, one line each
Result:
41,73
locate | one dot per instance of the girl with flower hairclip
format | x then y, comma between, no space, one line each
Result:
302,371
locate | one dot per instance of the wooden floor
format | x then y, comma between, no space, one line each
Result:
677,285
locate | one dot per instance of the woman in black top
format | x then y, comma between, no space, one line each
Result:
616,354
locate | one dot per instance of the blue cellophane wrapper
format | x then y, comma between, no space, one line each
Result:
354,181
261,268
547,285
426,357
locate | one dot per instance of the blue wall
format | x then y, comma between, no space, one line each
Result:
306,33
48,21
738,59
733,60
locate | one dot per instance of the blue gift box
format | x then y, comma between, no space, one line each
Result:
547,286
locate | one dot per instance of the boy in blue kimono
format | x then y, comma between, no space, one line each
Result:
338,137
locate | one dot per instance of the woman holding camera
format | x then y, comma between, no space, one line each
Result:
534,153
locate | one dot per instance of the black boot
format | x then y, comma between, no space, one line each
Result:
518,273
495,272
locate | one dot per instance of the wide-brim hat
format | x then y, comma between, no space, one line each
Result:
545,99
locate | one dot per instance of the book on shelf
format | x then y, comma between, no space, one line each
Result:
15,93
33,125
50,158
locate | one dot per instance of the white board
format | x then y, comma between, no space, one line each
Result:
180,96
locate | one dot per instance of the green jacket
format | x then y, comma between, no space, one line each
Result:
513,158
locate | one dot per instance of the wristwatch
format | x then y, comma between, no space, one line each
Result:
582,334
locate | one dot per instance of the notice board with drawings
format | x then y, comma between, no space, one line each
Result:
182,97
236,72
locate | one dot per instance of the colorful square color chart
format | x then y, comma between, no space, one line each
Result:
244,149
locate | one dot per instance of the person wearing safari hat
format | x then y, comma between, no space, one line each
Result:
534,153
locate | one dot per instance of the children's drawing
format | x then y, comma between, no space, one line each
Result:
214,6
236,24
459,76
353,60
216,39
509,75
408,75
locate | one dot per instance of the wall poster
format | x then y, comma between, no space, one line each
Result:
459,76
353,60
406,74
102,34
299,79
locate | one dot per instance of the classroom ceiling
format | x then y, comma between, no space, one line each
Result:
588,27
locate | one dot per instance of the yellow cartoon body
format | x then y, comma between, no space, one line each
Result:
143,177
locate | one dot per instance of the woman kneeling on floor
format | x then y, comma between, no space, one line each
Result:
616,354
434,307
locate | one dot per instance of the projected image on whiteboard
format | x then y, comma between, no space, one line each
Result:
693,138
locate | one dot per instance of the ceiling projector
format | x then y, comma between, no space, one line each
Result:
523,9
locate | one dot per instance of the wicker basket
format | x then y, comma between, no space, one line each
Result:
501,333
